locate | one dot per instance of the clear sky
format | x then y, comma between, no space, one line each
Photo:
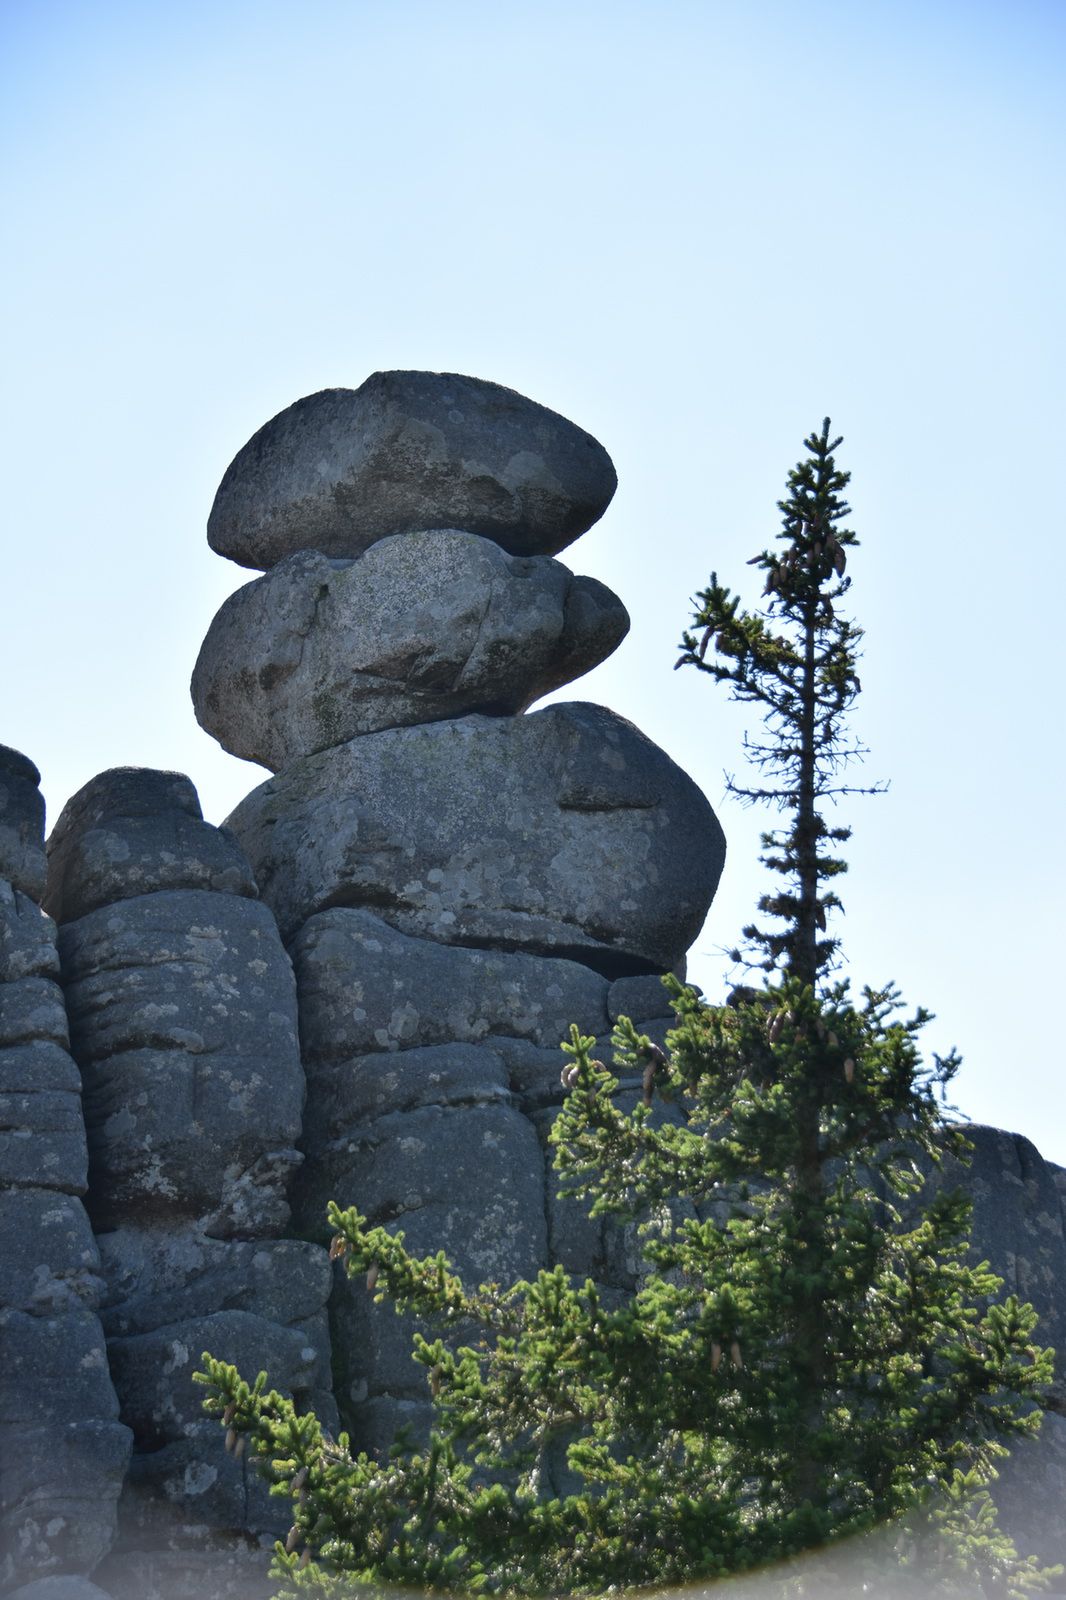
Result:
695,229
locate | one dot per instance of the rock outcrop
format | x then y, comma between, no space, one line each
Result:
456,882
1019,1227
64,1451
353,991
183,1022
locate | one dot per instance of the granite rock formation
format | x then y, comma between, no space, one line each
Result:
422,627
404,452
64,1450
456,882
1019,1227
565,831
22,858
182,1012
355,990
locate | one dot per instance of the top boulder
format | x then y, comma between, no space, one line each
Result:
407,451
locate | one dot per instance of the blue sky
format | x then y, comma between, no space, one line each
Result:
693,228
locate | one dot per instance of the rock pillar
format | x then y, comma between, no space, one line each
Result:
183,1022
63,1449
456,881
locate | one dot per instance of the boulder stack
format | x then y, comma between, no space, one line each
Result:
456,882
182,1011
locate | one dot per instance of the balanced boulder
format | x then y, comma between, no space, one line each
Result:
341,469
564,832
423,627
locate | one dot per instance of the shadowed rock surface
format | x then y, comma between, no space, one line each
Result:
183,1011
183,1020
42,1133
340,469
63,1450
415,1115
1018,1226
464,1177
562,832
60,1588
423,627
22,861
172,1293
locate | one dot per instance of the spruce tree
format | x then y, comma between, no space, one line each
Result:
812,1353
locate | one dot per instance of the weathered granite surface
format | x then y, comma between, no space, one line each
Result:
183,1020
22,862
182,1011
59,1588
422,627
42,1133
134,831
172,1293
415,1114
63,1450
364,986
406,451
61,1270
463,1177
562,832
1018,1226
391,1023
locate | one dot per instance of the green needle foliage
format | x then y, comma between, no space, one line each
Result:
811,1354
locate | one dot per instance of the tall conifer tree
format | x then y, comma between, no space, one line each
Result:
811,1353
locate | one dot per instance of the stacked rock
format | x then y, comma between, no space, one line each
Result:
63,1449
457,882
183,1022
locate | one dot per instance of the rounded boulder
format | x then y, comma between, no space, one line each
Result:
565,832
421,628
338,470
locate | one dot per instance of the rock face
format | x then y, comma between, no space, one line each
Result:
63,1448
132,831
423,1110
1019,1228
182,1009
423,627
457,882
341,469
183,1022
565,831
22,860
